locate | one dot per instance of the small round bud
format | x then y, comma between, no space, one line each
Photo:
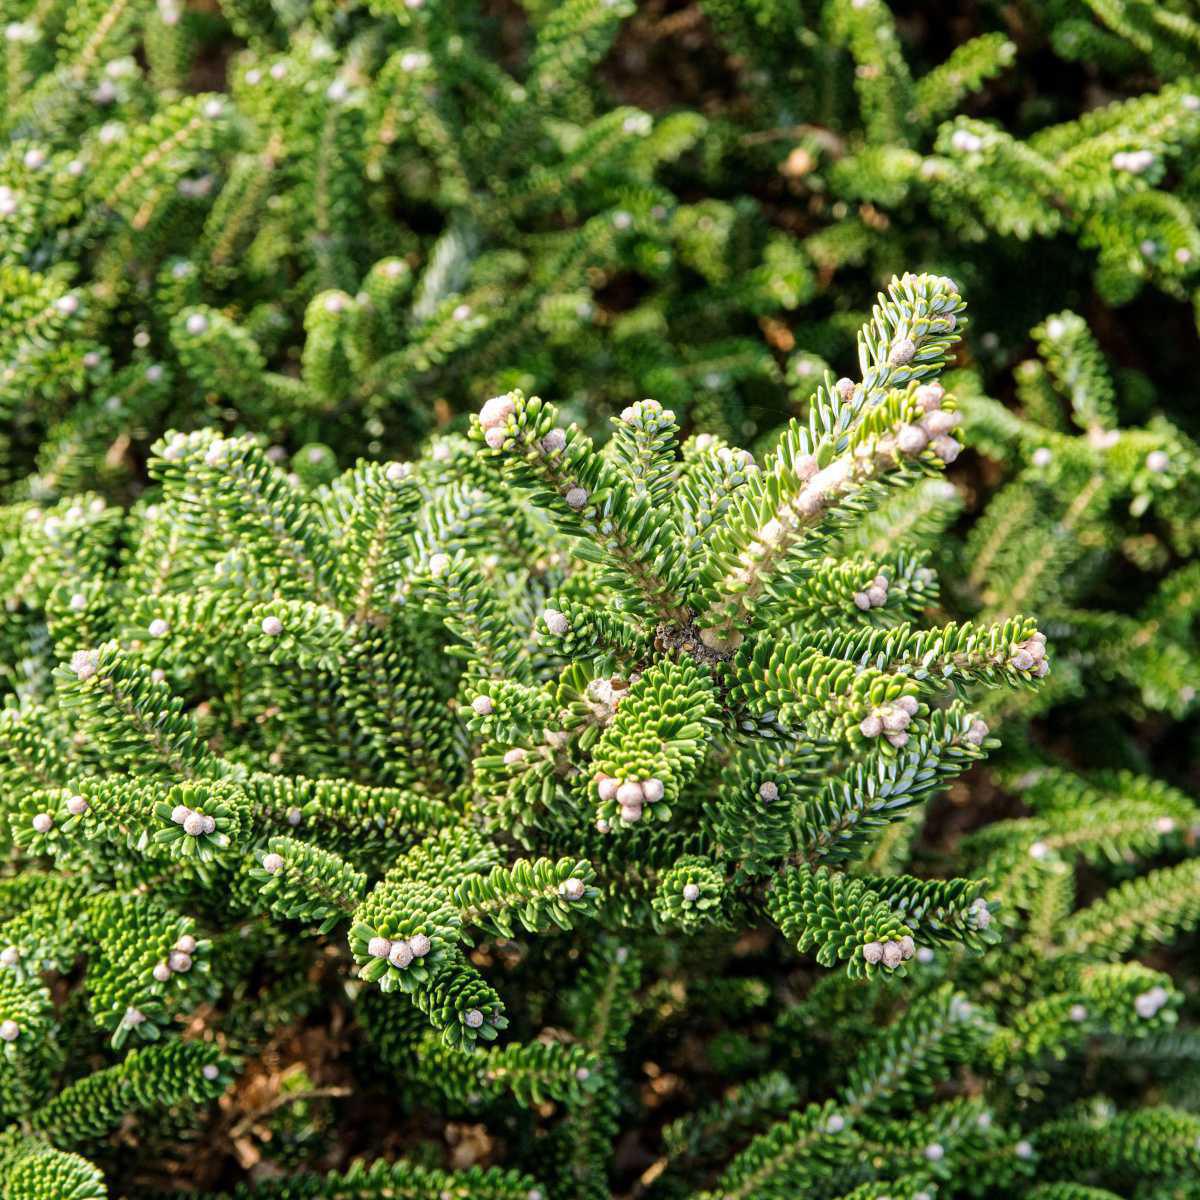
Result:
929,396
965,141
1157,461
876,597
1042,457
652,790
939,422
576,498
844,388
68,304
473,1018
10,956
582,1074
862,600
572,889
873,952
161,972
272,626
180,813
630,792
177,960
193,825
379,947
514,756
134,1016
631,813
43,822
396,472
419,944
187,944
976,733
602,826
607,788
903,351
835,1124
1078,1013
871,726
554,441
438,564
893,955
556,622
197,324
294,816
272,863
911,439
946,448
210,823
497,411
495,437
907,947
85,664
400,955
482,706
76,805
1038,851
934,1152
1023,1149
894,718
691,892
9,1030
1021,660
210,1071
159,628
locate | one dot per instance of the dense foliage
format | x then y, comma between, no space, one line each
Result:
429,760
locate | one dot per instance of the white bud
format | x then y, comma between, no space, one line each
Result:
911,439
278,71
180,813
337,91
556,622
691,892
161,972
462,312
602,826
67,305
862,600
197,323
1078,1013
946,448
193,826
876,596
573,889
473,1018
159,628
934,1152
976,733
400,955
894,719
1038,851
652,790
966,141
482,706
1021,660
835,1124
768,791
272,863
76,806
893,955
43,822
210,1071
1183,256
293,816
177,960
379,947
940,421
929,396
495,437
438,564
497,411
419,944
9,1030
607,788
10,956
554,441
631,813
8,201
272,626
903,351
907,947
576,498
622,220
1157,461
1024,1149
396,472
514,756
630,792
873,952
871,726
1164,825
